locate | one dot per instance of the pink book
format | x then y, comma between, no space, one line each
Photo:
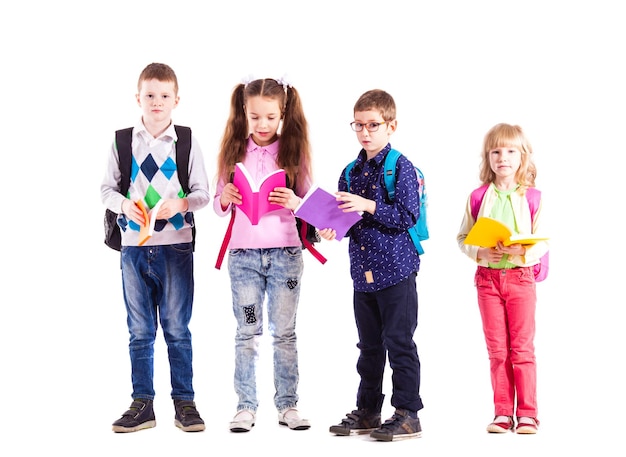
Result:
254,197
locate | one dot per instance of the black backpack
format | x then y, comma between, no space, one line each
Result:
123,140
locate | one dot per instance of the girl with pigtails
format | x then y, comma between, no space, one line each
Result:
266,130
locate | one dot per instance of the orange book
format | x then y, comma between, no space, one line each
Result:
146,231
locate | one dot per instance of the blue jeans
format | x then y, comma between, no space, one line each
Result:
386,321
158,287
255,273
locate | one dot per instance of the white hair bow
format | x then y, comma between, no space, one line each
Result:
284,81
247,79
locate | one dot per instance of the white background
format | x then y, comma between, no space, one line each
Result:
455,68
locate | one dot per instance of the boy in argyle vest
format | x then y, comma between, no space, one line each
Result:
157,273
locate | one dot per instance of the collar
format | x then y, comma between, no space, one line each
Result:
271,149
378,158
140,129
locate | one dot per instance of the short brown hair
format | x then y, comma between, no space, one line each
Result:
160,72
378,100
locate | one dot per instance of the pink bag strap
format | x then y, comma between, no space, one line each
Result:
309,245
229,231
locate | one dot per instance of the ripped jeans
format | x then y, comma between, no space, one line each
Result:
257,274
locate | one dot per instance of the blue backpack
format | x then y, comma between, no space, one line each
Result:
419,232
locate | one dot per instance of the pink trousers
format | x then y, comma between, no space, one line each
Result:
507,301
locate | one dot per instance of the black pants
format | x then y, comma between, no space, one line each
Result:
386,321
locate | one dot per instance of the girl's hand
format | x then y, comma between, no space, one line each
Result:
351,203
284,197
328,234
514,249
494,255
230,194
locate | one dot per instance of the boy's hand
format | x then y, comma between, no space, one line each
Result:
328,234
172,206
352,202
133,212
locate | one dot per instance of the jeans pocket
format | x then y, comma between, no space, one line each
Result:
293,251
482,278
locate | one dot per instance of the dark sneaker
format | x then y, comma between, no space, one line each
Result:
358,422
139,416
187,416
401,426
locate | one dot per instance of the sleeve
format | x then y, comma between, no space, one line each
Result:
467,223
110,185
217,206
199,195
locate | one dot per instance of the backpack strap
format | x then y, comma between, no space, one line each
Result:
476,199
183,150
390,172
390,184
533,195
308,245
229,231
347,172
123,142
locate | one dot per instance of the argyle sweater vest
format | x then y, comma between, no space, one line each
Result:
153,177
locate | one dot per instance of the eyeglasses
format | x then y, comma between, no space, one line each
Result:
370,126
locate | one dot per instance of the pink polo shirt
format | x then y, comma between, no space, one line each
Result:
275,229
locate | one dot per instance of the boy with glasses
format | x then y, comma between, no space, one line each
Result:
384,265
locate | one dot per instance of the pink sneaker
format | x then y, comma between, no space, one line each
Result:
501,424
527,425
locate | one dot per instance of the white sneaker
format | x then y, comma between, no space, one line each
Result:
243,421
291,418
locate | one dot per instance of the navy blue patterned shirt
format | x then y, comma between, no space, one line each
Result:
381,251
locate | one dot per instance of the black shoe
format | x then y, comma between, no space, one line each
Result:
140,415
187,416
401,426
358,422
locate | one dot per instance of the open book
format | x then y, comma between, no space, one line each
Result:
146,231
254,198
320,208
486,233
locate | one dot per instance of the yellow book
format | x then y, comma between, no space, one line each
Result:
486,233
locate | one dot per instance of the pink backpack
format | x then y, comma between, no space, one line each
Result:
534,197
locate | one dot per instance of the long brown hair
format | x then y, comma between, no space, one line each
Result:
294,152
